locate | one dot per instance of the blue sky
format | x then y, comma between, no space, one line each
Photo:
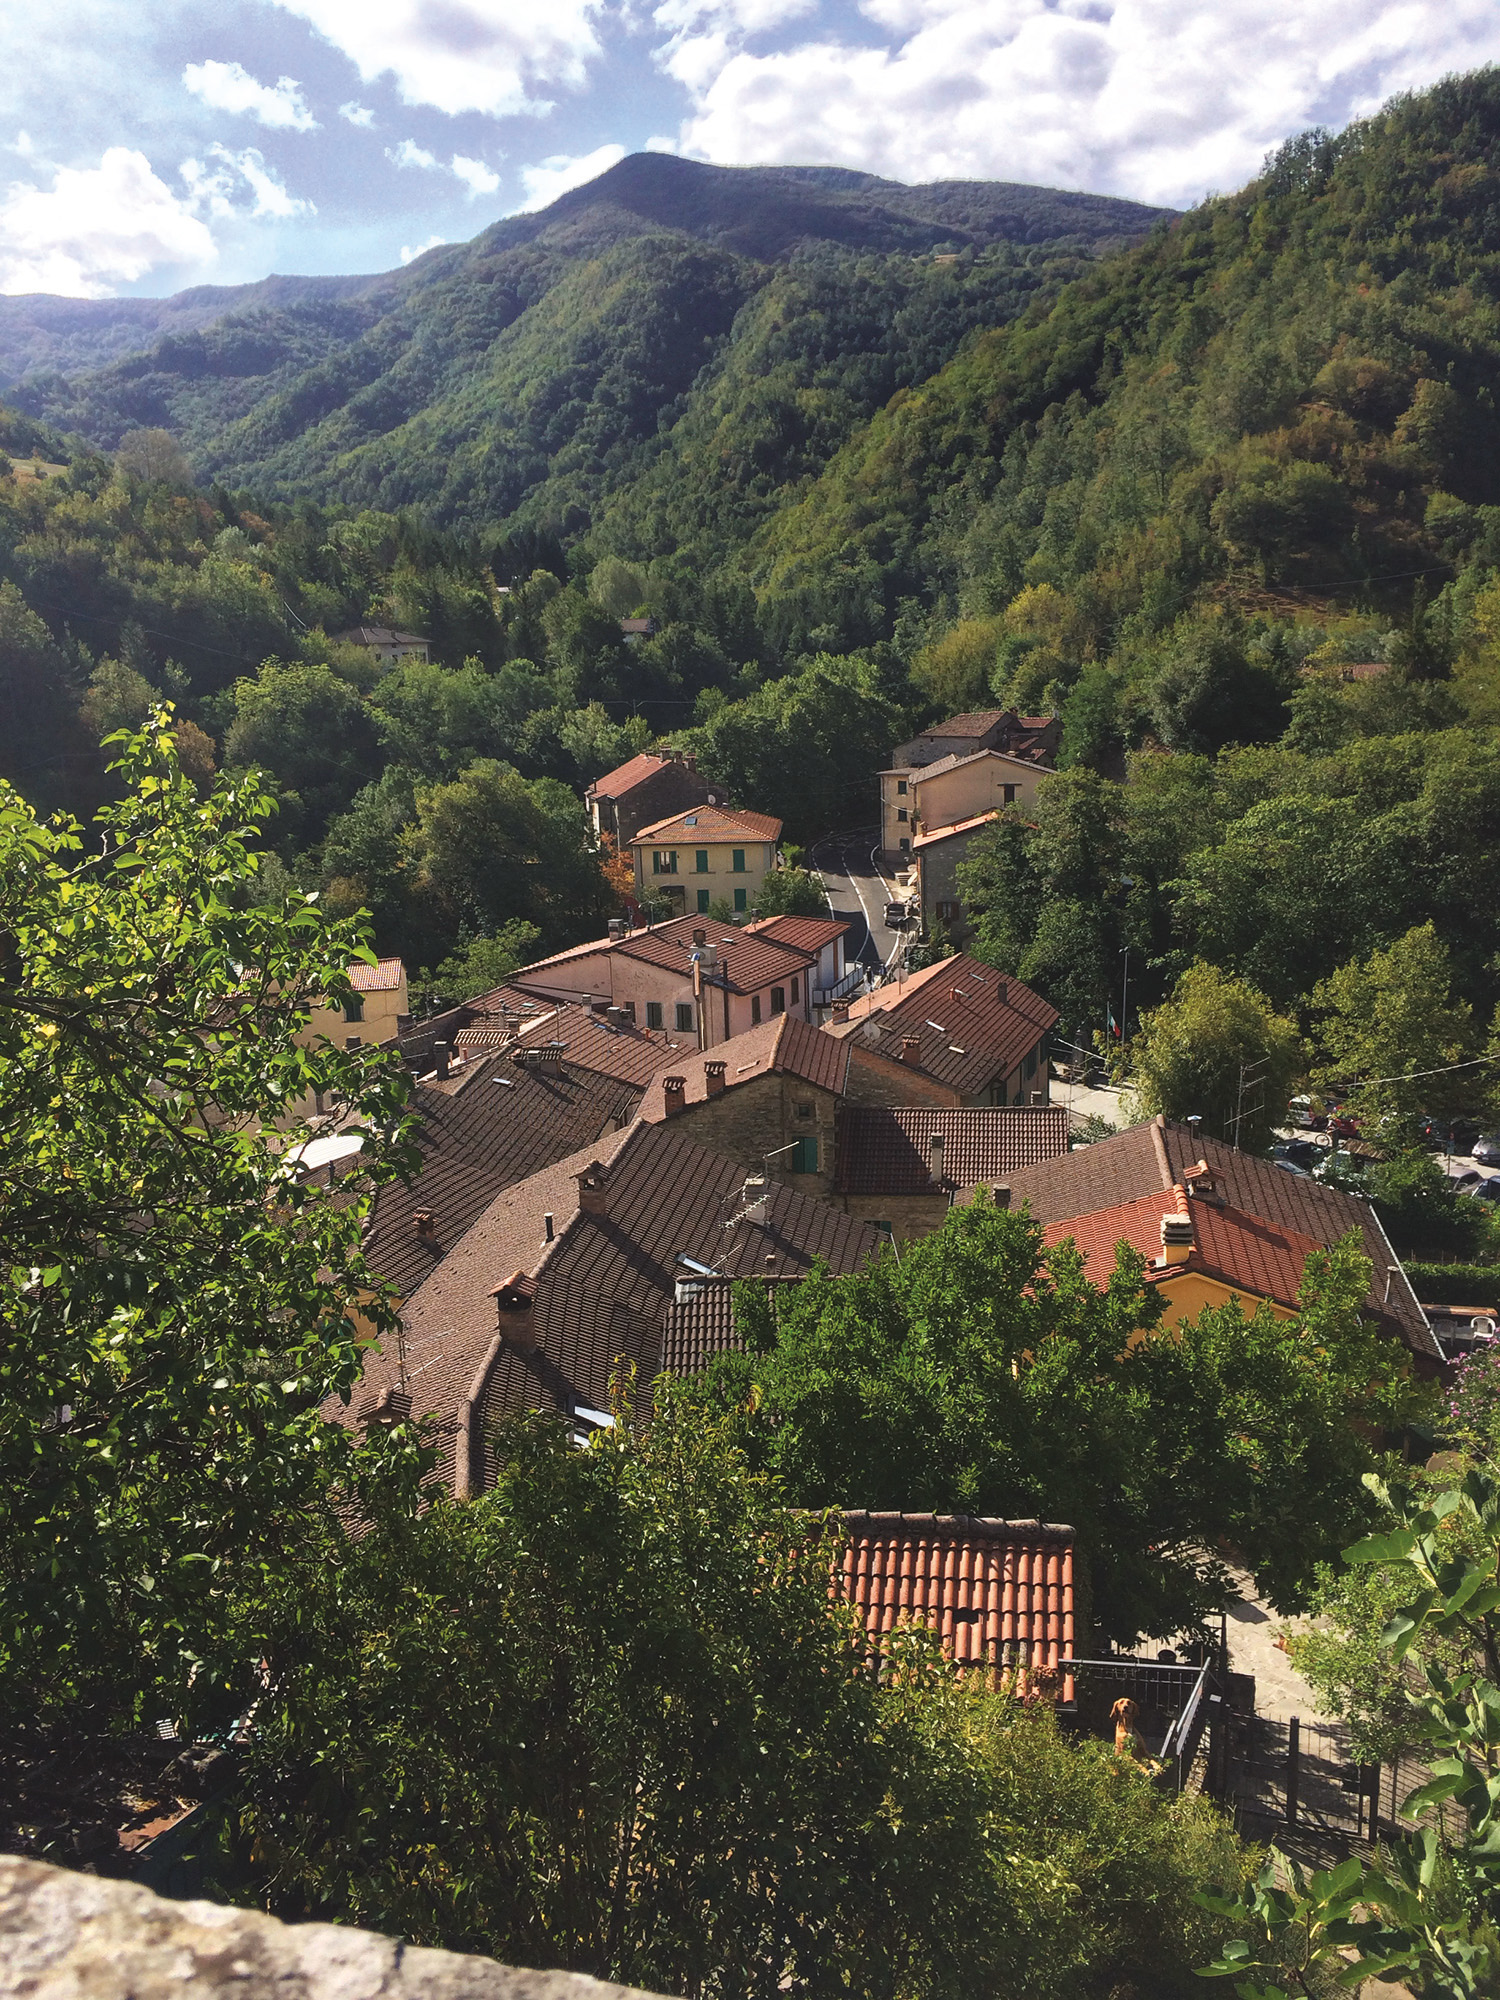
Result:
150,144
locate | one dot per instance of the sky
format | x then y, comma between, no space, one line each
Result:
147,145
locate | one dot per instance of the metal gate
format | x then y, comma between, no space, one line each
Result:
1294,1773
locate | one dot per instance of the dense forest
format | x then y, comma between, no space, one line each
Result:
1226,501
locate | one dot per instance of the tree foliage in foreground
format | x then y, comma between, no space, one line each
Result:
176,1308
607,1717
981,1375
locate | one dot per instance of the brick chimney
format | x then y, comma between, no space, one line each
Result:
515,1312
1177,1231
424,1222
674,1090
841,1010
593,1188
911,1050
713,1077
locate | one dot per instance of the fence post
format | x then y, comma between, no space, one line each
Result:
1293,1747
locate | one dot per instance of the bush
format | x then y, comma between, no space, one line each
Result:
1456,1284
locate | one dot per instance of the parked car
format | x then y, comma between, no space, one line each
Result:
1301,1113
1465,1182
897,914
1487,1150
1301,1155
1485,1190
1449,1135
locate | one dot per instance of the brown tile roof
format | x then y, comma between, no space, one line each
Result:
994,1591
385,976
784,1045
602,1281
1150,1158
710,823
749,960
972,1025
701,1324
379,635
1261,1258
888,1150
619,1049
801,933
974,722
501,1125
625,777
952,832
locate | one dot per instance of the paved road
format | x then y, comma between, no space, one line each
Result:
857,888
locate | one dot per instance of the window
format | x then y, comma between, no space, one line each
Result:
947,912
901,788
739,898
805,1156
664,861
905,845
806,1110
700,861
755,1010
737,861
1010,795
684,1017
653,1013
903,817
796,990
354,1008
704,899
628,1009
778,999
883,1227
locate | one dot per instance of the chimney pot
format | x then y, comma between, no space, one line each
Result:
425,1223
1177,1233
440,1061
549,1228
700,937
713,1074
841,1010
515,1303
674,1090
616,1017
593,1189
690,758
911,1049
935,1154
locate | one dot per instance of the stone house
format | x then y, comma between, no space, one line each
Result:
647,788
903,1167
955,1033
391,648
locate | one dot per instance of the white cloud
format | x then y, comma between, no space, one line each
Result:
1157,99
357,114
96,228
408,250
213,189
494,56
475,175
410,154
230,87
545,182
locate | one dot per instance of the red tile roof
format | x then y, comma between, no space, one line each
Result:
749,960
972,1025
707,823
1259,1258
888,1150
1148,1159
385,976
615,784
999,1592
784,1046
802,933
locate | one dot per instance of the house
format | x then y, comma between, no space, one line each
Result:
937,856
765,1098
561,1283
696,980
1029,742
832,976
956,1032
1215,1222
392,649
648,788
376,1012
706,855
960,788
903,1167
633,630
998,1593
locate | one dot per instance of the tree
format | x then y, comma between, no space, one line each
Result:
477,965
39,699
981,1376
791,892
308,728
1209,692
1217,1050
178,1306
1388,1028
154,455
1001,890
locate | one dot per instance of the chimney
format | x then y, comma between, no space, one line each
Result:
840,1010
1037,1097
1177,1232
911,1050
549,1227
1001,1193
515,1303
593,1188
674,1090
1002,992
616,929
425,1224
616,1017
690,758
713,1077
700,938
440,1061
935,1156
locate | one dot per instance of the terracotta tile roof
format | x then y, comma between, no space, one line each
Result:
809,934
625,777
697,1327
994,1591
1150,1158
709,823
785,1045
619,1049
974,722
478,1140
971,1024
952,832
749,960
385,976
1260,1258
601,1283
888,1150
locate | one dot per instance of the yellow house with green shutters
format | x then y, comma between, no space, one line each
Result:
706,855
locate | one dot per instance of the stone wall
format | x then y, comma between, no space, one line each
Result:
750,1120
65,1936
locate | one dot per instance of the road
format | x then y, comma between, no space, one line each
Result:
857,888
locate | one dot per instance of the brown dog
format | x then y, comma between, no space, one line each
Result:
1129,1741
